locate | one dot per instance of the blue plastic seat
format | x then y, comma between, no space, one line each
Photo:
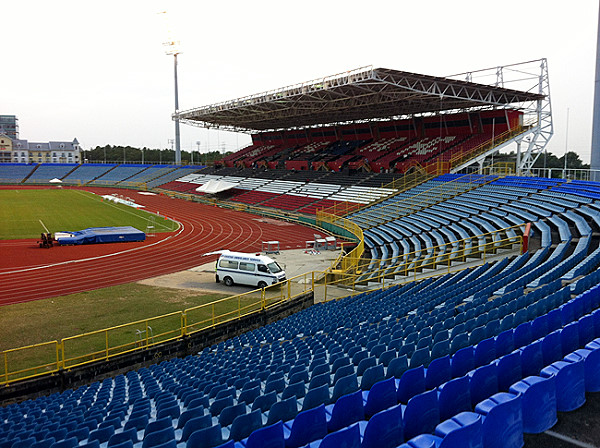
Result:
266,437
421,414
440,348
80,433
483,382
505,343
365,364
538,403
102,434
410,384
25,443
461,431
206,438
264,402
120,437
283,410
347,438
591,358
158,437
569,338
570,383
158,425
229,413
316,397
371,376
248,395
485,351
138,423
397,367
319,380
454,396
345,385
194,424
502,421
438,372
347,410
509,370
551,348
244,425
381,396
71,442
172,411
532,360
342,372
522,334
218,405
308,426
384,429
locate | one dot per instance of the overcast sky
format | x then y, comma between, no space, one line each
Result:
98,71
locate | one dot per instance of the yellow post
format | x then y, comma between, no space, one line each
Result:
213,314
106,340
289,290
183,324
5,367
263,299
62,351
240,306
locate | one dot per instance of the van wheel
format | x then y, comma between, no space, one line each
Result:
262,285
228,281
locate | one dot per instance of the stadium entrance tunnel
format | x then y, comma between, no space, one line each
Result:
189,345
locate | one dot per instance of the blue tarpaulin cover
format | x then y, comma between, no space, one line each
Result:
95,235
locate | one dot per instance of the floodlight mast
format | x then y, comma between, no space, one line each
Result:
173,49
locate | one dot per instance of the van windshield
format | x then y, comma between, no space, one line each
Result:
274,267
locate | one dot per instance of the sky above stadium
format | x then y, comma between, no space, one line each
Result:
98,70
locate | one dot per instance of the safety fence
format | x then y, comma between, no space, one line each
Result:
101,345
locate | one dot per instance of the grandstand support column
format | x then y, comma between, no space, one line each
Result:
542,128
595,159
518,164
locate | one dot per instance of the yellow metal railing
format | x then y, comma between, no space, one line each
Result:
101,345
438,264
463,156
35,360
21,362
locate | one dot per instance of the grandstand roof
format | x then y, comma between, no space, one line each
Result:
357,95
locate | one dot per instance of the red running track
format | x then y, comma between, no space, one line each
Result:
30,273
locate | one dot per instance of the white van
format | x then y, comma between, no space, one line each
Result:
248,269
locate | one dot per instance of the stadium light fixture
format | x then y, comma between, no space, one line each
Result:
172,48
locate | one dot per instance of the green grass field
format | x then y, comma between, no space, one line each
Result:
22,213
41,321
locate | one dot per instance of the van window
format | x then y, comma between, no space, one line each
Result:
229,264
262,268
246,266
274,267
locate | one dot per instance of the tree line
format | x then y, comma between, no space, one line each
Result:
129,154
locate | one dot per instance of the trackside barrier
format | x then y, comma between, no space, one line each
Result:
24,362
35,360
456,251
438,265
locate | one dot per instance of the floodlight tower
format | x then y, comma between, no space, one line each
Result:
173,49
595,159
